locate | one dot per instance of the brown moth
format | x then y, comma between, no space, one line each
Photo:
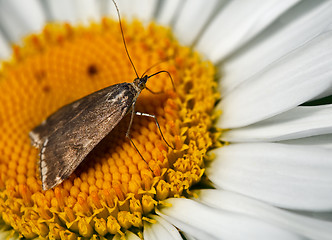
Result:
67,136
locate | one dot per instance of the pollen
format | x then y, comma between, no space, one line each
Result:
114,189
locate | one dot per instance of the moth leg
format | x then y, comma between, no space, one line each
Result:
128,132
136,148
155,118
138,152
131,119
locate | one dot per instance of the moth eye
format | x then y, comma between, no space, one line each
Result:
92,70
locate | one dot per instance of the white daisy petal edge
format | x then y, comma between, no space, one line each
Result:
18,18
87,10
131,9
205,222
237,23
63,10
287,176
188,25
161,230
298,25
4,48
230,201
323,141
299,122
294,79
6,232
128,236
131,236
168,12
325,216
189,237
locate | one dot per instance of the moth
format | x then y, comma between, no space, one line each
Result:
67,136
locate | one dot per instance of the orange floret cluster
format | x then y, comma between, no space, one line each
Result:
114,189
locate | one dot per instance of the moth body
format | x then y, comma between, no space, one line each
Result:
67,136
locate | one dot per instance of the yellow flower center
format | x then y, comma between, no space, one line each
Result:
114,189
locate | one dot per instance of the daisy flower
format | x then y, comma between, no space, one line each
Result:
250,119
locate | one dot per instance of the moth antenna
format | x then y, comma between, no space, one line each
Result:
163,71
154,65
123,38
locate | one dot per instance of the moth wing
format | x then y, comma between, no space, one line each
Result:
63,150
64,115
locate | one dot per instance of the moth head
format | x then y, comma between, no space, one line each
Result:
140,82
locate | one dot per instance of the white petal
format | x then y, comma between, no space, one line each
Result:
6,232
87,10
131,236
160,230
296,123
63,10
300,24
292,80
306,226
4,48
9,234
168,11
128,236
192,19
19,18
31,13
189,237
131,9
327,216
210,223
238,23
324,141
78,11
286,176
321,216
